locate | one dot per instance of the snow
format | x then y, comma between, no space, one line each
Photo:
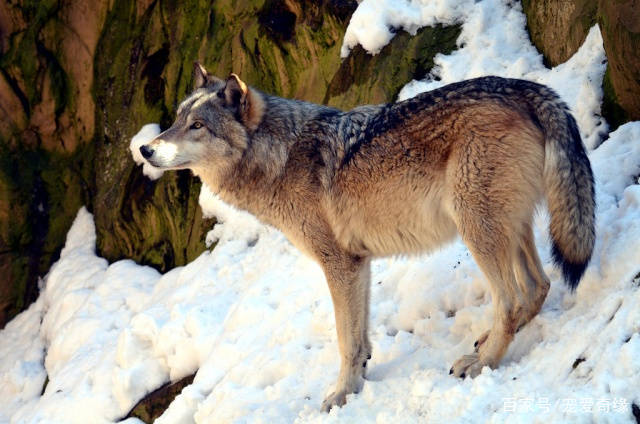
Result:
145,135
374,22
21,356
253,317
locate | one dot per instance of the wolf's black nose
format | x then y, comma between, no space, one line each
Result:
146,151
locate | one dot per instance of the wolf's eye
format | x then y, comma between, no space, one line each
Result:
196,125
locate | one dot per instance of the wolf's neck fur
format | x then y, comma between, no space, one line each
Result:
278,125
288,133
283,124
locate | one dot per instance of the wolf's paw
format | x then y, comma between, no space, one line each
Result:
468,365
334,399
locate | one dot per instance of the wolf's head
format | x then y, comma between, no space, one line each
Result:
212,127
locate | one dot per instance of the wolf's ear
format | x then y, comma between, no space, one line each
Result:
248,105
235,92
200,75
202,78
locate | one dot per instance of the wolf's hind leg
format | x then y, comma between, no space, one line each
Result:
493,253
532,279
348,279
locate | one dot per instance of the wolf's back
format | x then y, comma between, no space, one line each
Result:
569,186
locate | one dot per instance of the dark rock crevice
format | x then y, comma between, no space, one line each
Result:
149,408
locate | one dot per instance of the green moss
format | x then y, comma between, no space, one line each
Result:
587,13
299,64
67,181
19,282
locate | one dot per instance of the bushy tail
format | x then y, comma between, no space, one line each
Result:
569,190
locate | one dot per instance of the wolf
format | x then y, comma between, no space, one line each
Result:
473,159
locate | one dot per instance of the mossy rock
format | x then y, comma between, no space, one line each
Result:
46,164
149,408
559,27
139,80
620,24
363,78
287,48
611,109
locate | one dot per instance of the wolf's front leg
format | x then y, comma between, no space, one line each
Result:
349,278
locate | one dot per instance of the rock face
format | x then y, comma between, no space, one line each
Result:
558,28
46,123
79,78
362,78
620,24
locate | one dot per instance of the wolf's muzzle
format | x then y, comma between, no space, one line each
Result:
146,151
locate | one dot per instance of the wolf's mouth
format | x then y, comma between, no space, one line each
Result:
182,165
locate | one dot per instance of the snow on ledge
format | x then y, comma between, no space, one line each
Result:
145,135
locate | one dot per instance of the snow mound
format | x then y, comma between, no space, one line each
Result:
237,224
374,22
